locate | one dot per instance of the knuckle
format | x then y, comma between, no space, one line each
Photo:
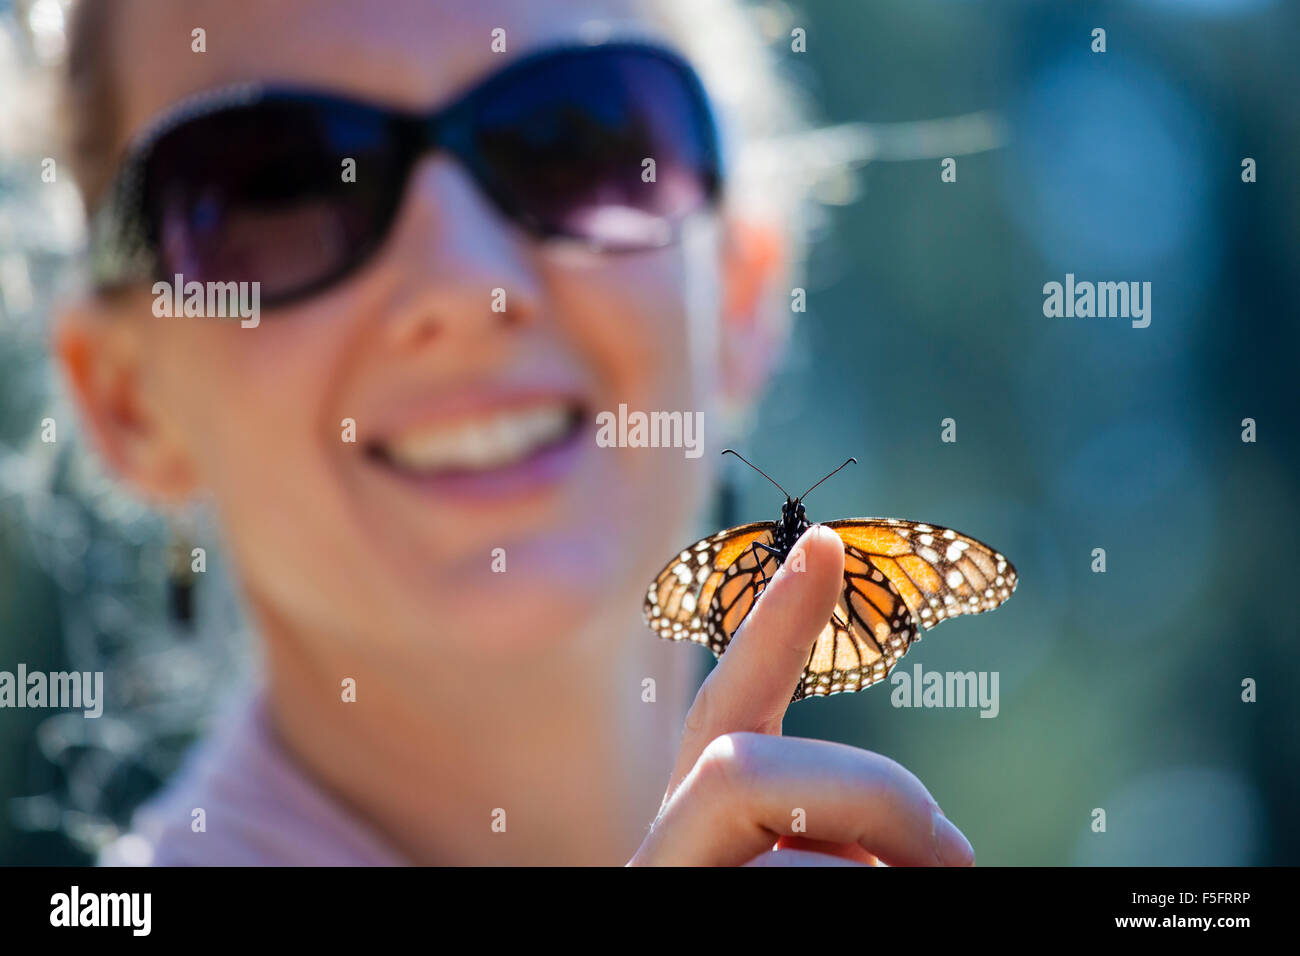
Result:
893,789
900,782
729,764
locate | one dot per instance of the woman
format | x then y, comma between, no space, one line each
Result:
445,570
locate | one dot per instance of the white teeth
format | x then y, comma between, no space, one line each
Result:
487,442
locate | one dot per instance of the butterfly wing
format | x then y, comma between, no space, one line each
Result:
707,591
899,576
869,630
703,590
940,573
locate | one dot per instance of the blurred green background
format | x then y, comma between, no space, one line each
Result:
1120,691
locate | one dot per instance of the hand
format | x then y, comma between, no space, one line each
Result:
737,782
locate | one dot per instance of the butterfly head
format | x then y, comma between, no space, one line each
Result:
794,520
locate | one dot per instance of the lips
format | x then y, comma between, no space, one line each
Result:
482,442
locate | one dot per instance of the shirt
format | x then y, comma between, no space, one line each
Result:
260,809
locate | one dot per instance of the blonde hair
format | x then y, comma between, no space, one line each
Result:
726,40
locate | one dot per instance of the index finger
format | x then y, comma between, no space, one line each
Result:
755,678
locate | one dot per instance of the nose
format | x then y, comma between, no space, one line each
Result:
457,267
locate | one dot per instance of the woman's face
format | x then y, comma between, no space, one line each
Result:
327,533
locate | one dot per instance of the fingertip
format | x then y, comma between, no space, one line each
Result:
826,534
818,559
821,545
950,844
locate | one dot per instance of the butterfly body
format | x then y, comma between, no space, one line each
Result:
789,528
900,577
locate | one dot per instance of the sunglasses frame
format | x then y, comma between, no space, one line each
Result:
123,249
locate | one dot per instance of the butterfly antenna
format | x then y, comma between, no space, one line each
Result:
728,451
851,461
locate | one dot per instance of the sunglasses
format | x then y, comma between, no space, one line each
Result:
295,188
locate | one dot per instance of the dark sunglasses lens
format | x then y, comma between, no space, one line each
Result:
261,193
564,144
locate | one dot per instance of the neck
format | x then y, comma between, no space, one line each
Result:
569,750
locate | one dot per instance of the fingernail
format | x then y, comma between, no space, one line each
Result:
950,844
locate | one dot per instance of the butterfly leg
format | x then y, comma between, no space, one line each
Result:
754,548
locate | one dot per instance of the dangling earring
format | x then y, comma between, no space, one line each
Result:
180,571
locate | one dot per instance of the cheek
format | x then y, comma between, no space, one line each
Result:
252,405
647,323
251,399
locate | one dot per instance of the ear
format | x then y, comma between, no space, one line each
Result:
101,355
755,326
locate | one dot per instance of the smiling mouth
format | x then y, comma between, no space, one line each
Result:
484,443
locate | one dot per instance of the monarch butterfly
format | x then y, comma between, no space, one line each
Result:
899,577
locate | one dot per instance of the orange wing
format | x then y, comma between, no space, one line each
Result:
708,590
897,575
678,602
939,572
869,630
